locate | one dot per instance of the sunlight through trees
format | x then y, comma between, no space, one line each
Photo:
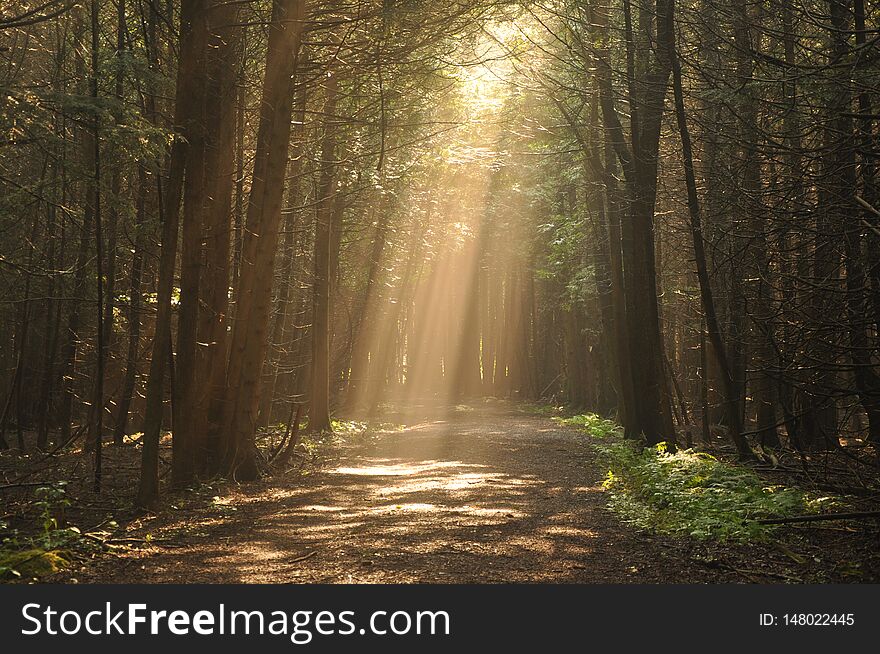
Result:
218,216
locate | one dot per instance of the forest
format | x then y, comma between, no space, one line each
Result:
321,290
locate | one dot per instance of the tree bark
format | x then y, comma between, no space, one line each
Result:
250,331
191,41
319,412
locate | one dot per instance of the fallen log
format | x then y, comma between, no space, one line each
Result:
855,515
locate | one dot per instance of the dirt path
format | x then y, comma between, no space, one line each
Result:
485,495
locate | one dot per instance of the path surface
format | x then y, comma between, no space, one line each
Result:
485,495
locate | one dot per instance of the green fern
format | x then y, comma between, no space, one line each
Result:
693,493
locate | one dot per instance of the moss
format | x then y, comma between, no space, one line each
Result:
30,563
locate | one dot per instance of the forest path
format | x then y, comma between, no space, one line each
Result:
487,494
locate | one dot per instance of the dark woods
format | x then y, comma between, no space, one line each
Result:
213,214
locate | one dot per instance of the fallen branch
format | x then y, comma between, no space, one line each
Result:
855,515
756,574
105,542
304,556
162,542
30,484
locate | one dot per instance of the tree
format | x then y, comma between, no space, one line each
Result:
248,342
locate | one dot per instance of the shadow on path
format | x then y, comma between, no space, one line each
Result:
484,495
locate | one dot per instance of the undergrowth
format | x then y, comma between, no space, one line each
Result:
49,549
595,425
688,493
346,432
537,409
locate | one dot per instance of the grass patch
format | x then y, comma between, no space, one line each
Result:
689,493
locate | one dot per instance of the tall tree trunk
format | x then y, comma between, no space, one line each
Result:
144,196
70,346
283,303
746,42
847,218
790,394
192,41
652,416
134,311
195,199
102,342
250,331
731,396
319,412
365,332
52,320
223,68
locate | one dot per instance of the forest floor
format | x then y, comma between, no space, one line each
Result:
475,494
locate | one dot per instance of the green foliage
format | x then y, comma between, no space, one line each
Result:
693,493
351,432
348,430
565,258
537,409
50,550
593,424
51,501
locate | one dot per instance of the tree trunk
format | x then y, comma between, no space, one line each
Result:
250,331
191,42
731,396
319,412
